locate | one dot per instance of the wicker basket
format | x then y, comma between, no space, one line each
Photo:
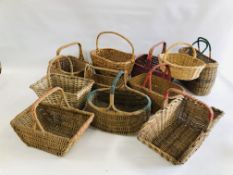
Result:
205,82
155,86
183,66
101,81
67,64
112,58
146,62
50,124
76,88
122,110
178,130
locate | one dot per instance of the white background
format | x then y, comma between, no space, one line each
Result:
30,32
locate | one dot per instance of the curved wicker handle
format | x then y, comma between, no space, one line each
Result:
150,54
148,79
182,43
114,33
207,45
37,102
166,97
72,44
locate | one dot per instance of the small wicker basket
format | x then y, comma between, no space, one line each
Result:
178,130
155,86
206,80
50,124
119,110
112,58
183,66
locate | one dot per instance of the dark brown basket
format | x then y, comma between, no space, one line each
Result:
155,86
50,124
112,58
146,62
205,82
179,129
67,64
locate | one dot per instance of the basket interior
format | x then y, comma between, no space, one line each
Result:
125,100
78,65
142,60
114,55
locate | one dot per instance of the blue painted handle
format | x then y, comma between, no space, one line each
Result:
115,81
203,40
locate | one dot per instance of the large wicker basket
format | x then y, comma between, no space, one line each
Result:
50,124
144,63
67,64
112,58
178,130
119,110
155,86
183,66
101,81
205,82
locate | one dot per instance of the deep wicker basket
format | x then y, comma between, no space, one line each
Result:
178,130
206,80
119,110
155,86
50,124
112,58
183,66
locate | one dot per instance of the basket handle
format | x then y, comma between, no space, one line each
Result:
114,33
182,43
166,97
148,79
206,42
150,54
43,97
72,44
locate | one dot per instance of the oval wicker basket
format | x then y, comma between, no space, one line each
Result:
119,110
67,64
112,58
182,66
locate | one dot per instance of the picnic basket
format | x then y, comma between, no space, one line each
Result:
68,64
76,88
119,110
155,86
112,58
179,129
101,81
49,124
182,66
144,63
205,82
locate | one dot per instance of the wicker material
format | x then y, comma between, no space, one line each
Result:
205,82
183,66
154,86
112,58
50,124
67,64
122,110
101,81
76,88
146,62
178,130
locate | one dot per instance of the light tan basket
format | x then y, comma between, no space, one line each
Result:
112,58
182,66
50,124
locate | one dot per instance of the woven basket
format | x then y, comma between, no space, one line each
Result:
146,62
183,66
50,124
119,110
205,82
67,64
112,58
178,130
101,81
76,88
155,86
